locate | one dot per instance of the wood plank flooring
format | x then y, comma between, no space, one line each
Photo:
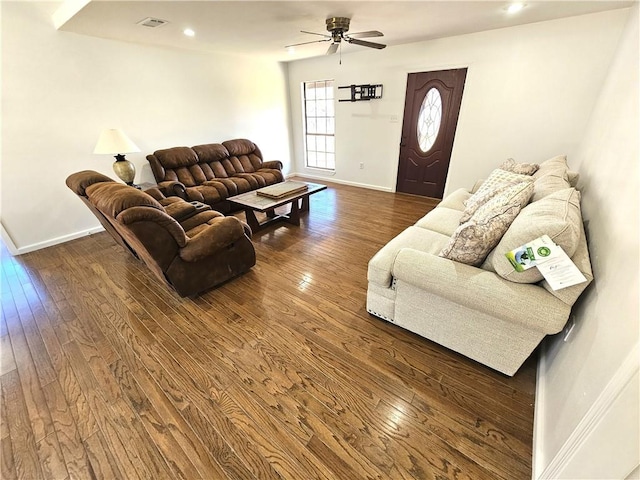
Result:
279,374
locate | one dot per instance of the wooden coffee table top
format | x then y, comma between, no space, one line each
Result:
262,204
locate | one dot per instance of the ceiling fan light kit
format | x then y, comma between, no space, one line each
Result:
338,28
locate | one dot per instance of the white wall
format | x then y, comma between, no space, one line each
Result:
60,89
587,418
528,95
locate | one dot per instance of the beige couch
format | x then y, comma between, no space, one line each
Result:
487,312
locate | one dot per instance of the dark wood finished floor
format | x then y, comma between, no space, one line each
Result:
280,373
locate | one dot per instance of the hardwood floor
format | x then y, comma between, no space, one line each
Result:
280,373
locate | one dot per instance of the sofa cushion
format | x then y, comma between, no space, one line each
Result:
510,165
557,215
553,175
442,220
79,182
111,198
472,241
244,155
455,200
176,157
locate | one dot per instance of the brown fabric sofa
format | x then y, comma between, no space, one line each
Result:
213,172
187,245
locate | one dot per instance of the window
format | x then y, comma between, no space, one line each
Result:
429,119
319,124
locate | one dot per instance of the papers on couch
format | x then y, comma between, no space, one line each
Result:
551,260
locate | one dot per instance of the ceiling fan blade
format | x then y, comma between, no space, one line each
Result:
355,41
306,43
314,33
370,33
333,48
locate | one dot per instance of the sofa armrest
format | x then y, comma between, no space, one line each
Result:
274,164
527,304
222,231
172,188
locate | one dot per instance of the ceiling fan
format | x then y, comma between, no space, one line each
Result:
338,28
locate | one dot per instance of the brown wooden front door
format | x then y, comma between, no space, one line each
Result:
431,111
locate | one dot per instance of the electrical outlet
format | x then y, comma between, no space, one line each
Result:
361,165
568,328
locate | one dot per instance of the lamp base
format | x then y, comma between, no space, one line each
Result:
124,169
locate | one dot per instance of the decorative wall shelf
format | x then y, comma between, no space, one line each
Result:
363,92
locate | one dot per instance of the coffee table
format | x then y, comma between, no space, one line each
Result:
253,202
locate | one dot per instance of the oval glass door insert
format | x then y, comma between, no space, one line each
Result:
429,119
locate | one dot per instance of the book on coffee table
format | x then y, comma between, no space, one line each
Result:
280,190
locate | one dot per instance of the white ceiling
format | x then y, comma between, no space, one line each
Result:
264,27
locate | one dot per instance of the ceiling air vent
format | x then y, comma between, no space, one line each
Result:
152,22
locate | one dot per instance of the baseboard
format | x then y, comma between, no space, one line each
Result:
341,182
48,243
585,431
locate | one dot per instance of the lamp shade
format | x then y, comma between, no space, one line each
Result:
114,140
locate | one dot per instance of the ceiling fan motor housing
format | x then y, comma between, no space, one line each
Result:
338,23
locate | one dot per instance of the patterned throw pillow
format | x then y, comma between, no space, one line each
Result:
473,203
511,165
497,183
472,241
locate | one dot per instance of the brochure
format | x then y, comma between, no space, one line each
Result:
553,263
532,253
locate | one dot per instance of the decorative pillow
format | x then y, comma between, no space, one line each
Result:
473,240
510,165
478,199
557,215
497,182
498,178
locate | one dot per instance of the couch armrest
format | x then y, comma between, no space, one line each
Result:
275,164
172,188
222,231
527,304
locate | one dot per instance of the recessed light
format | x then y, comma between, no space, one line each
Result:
515,7
189,32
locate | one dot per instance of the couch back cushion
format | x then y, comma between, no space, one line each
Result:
178,164
78,182
213,159
244,155
112,198
557,215
552,176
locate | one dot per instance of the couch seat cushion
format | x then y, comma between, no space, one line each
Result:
472,241
557,215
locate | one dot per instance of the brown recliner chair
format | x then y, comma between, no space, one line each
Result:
188,245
